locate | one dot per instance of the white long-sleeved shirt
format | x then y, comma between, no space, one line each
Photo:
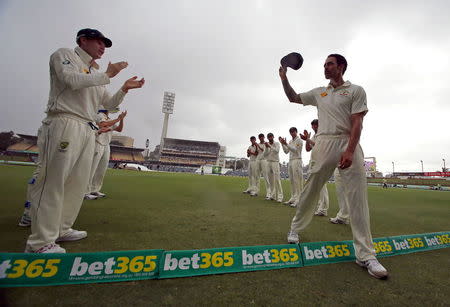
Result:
261,149
76,87
252,150
294,148
104,138
272,153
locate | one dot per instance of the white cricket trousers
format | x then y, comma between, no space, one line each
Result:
343,213
32,181
295,170
324,200
252,170
262,170
66,159
327,153
273,170
99,167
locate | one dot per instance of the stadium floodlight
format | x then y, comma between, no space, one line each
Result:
445,169
393,171
167,109
168,102
422,165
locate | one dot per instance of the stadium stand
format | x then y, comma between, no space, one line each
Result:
24,151
27,151
126,154
190,153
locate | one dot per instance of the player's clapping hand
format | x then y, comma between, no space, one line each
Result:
132,83
104,130
267,144
305,135
114,69
282,141
122,115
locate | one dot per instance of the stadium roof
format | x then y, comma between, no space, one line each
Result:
22,148
27,136
190,142
124,148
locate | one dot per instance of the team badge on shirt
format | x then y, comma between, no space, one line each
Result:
85,70
344,93
66,62
323,94
63,146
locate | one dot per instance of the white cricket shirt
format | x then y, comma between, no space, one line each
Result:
272,153
335,106
294,148
76,88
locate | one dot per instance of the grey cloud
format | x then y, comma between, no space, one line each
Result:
221,59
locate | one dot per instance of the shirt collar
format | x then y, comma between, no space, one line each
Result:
345,84
86,58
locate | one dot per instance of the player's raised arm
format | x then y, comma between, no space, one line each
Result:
288,90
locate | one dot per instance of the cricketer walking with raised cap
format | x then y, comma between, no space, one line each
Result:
341,109
77,89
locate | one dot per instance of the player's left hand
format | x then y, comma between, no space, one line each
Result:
346,160
104,130
132,83
122,115
305,135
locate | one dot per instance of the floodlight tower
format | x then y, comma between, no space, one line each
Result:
167,109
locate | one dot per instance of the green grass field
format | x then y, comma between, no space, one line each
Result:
185,211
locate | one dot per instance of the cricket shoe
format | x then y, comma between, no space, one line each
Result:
293,238
72,235
25,220
280,201
267,198
336,220
90,197
253,194
246,192
98,194
46,249
293,205
290,201
320,213
374,268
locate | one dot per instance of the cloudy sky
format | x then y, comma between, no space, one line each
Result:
221,58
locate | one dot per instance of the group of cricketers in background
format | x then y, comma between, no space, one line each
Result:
264,161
